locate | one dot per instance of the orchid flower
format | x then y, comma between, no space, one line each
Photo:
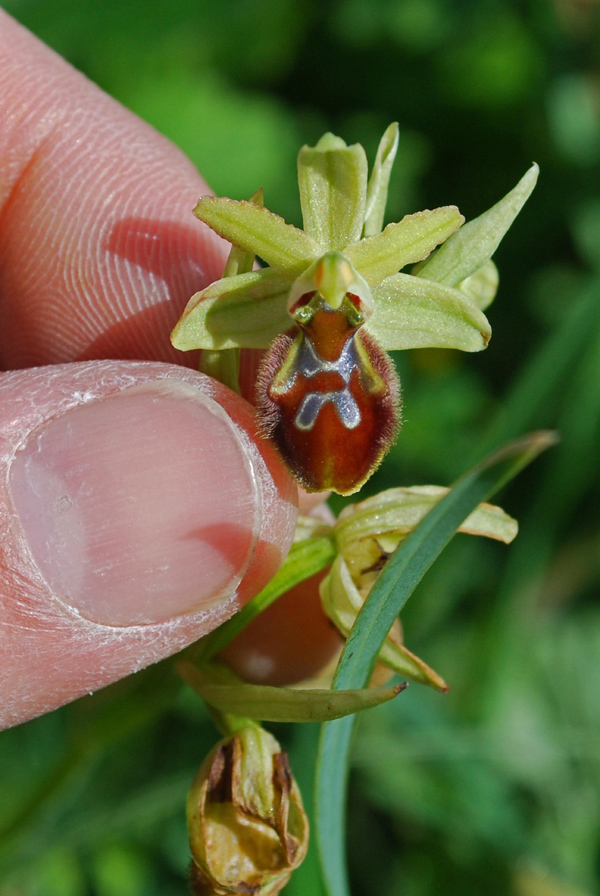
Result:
332,300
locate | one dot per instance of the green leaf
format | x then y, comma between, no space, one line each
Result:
539,388
475,243
332,178
245,311
305,559
377,188
408,241
268,704
414,313
396,583
257,230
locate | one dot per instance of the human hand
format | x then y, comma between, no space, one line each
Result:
138,508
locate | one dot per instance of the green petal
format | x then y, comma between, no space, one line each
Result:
399,510
377,188
332,178
482,286
332,276
269,704
259,231
408,241
246,311
476,242
415,313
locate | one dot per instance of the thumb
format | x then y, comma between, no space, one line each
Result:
138,512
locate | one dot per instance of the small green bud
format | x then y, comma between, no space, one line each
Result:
247,826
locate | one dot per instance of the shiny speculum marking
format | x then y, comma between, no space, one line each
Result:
310,364
328,398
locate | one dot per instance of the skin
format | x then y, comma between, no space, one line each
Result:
99,253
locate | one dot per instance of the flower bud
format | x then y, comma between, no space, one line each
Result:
247,826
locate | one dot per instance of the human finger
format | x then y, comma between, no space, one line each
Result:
138,512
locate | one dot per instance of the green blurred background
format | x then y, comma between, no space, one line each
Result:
494,788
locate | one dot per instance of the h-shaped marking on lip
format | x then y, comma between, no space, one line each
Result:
310,364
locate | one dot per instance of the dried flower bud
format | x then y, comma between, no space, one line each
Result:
247,826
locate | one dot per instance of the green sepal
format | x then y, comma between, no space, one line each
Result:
332,178
269,704
245,311
414,313
410,240
342,602
257,230
482,286
399,510
377,188
240,261
475,243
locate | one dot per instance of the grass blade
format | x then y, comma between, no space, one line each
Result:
396,583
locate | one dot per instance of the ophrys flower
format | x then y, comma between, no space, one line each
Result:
332,298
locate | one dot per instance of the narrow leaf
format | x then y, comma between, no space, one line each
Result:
257,230
408,241
415,313
333,190
396,583
246,311
268,704
540,386
377,189
475,243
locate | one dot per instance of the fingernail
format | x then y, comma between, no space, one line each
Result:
138,507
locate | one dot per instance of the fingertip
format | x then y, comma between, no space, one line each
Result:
140,514
99,248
